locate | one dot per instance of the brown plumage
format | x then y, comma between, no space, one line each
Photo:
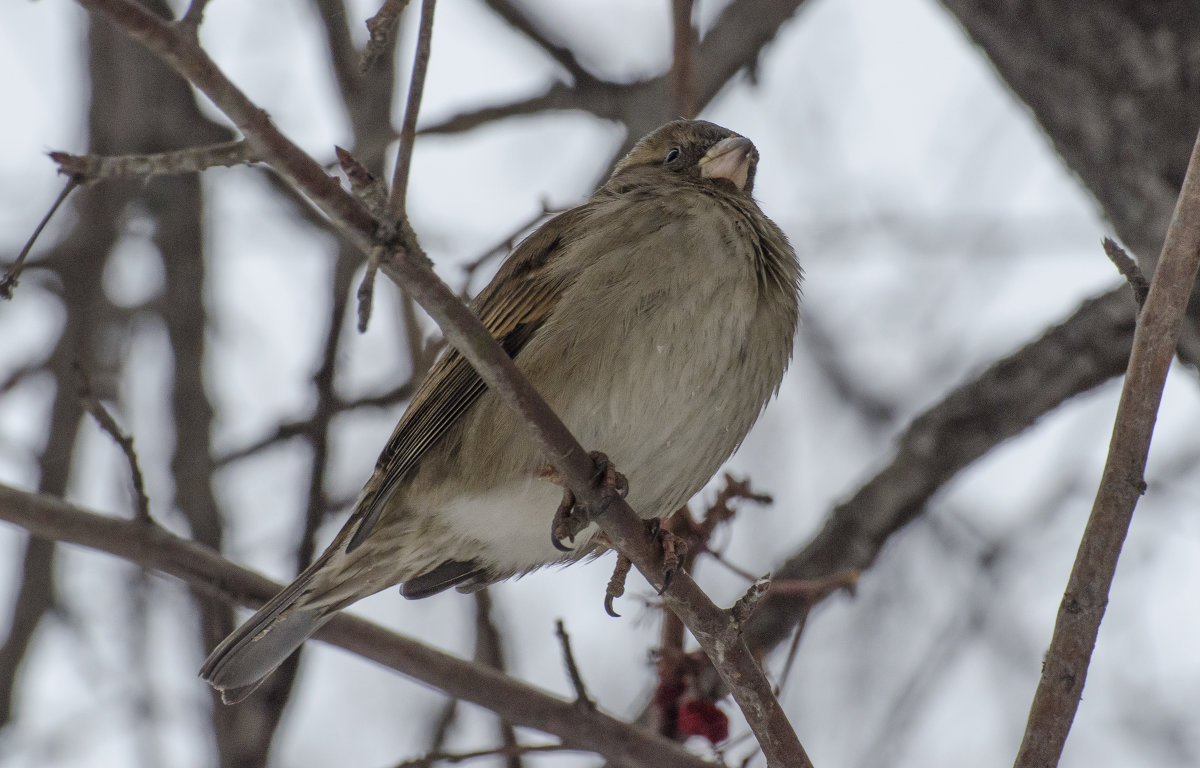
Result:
656,319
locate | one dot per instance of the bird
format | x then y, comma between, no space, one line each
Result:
657,320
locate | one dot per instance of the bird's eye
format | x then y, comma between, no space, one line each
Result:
672,156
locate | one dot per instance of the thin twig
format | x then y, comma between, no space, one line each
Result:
290,429
90,168
446,719
408,129
1129,269
581,694
380,27
110,426
503,246
366,291
513,750
1078,623
489,650
520,20
13,276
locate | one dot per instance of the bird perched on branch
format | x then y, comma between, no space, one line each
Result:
656,319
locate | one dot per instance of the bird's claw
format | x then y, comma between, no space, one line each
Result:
607,475
569,518
566,522
616,584
674,548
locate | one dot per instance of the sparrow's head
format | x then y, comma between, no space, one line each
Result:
696,149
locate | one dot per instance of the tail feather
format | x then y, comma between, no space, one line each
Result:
253,651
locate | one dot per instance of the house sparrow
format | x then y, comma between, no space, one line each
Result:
656,319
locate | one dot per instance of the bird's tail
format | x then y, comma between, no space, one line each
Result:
252,652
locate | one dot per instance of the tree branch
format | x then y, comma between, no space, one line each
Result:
89,168
203,569
408,129
1078,624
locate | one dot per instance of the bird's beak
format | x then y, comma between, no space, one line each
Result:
728,159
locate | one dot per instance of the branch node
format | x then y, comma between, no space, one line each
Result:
12,276
745,605
380,27
365,185
1129,269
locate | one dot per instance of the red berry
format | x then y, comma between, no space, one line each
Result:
702,718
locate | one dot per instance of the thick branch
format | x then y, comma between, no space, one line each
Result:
202,568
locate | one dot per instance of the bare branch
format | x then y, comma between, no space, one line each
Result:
508,750
109,425
204,569
89,168
557,96
288,430
408,129
502,247
581,694
519,19
13,275
1065,667
489,650
366,291
381,26
1129,270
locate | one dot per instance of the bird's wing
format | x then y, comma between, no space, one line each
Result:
512,307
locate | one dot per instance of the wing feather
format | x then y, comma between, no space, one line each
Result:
512,307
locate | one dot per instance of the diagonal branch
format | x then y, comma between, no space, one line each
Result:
716,630
1078,623
519,19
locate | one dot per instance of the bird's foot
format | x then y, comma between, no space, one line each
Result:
616,584
569,518
674,548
